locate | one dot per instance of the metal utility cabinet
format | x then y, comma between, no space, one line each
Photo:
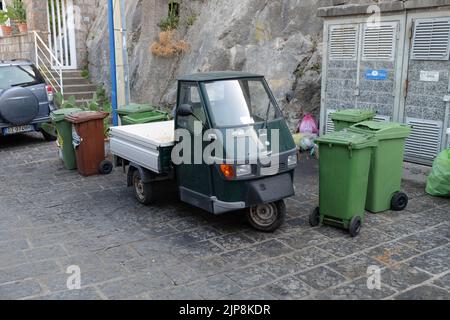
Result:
398,67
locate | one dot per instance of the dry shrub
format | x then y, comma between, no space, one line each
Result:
169,45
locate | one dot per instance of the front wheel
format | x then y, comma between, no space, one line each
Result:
267,217
142,191
47,136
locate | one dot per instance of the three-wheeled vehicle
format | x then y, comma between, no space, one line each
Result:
241,155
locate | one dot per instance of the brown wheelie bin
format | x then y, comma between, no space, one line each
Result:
88,137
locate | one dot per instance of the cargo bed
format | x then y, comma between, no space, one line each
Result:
146,145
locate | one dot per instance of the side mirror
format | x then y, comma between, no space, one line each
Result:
185,110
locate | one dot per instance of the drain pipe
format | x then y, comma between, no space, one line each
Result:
112,62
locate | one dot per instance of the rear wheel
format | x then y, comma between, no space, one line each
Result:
142,191
399,201
355,226
267,217
106,167
314,218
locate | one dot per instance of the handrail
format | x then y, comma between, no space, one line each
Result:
41,47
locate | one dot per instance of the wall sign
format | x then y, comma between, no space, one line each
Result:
376,74
429,76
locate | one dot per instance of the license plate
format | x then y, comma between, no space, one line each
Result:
18,129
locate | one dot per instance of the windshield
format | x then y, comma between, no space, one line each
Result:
240,102
11,76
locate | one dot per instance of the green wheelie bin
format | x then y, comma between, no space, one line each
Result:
64,130
133,109
344,159
384,190
145,117
344,119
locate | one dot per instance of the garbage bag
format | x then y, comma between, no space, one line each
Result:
308,125
439,180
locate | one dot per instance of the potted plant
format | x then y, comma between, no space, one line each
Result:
7,30
18,14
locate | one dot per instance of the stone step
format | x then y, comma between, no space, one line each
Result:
75,81
67,74
88,95
76,88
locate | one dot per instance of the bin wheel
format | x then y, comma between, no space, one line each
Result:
48,136
399,201
267,217
355,226
106,167
142,191
314,218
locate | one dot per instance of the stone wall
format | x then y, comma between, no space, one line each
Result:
17,47
85,13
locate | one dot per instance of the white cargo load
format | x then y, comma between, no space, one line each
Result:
141,143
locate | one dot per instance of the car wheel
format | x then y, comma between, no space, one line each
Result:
267,217
48,136
142,191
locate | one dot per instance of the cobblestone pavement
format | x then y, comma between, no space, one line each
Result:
51,219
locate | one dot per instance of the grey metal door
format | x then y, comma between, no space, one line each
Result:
426,84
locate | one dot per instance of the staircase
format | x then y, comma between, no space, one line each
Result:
75,85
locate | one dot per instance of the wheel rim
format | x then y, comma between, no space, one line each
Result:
264,215
139,187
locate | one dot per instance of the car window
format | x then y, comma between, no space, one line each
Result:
11,76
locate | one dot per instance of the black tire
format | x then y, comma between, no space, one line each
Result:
267,217
355,226
106,167
48,137
142,191
314,218
399,201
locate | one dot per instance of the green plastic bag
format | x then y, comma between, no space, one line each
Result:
439,180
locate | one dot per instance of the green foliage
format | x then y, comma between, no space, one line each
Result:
85,74
191,20
3,18
17,11
171,22
99,102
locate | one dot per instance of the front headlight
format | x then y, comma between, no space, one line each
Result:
243,170
292,160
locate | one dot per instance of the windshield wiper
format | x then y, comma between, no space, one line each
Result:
22,84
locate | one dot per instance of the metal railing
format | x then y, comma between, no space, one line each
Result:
48,63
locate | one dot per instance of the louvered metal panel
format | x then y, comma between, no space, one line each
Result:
424,144
431,39
381,118
329,127
343,42
379,42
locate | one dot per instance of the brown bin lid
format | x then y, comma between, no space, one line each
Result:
86,116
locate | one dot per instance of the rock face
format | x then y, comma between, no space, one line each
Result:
280,39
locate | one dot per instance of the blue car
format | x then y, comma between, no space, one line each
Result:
26,101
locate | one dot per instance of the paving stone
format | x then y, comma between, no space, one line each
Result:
215,287
311,257
402,277
424,241
82,294
443,282
181,274
434,262
340,248
28,271
300,240
321,278
280,266
354,266
250,277
234,241
426,292
272,248
45,253
19,290
391,253
242,257
289,288
177,293
257,294
357,289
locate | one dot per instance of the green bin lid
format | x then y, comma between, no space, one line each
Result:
352,140
353,115
383,130
60,114
146,117
134,108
